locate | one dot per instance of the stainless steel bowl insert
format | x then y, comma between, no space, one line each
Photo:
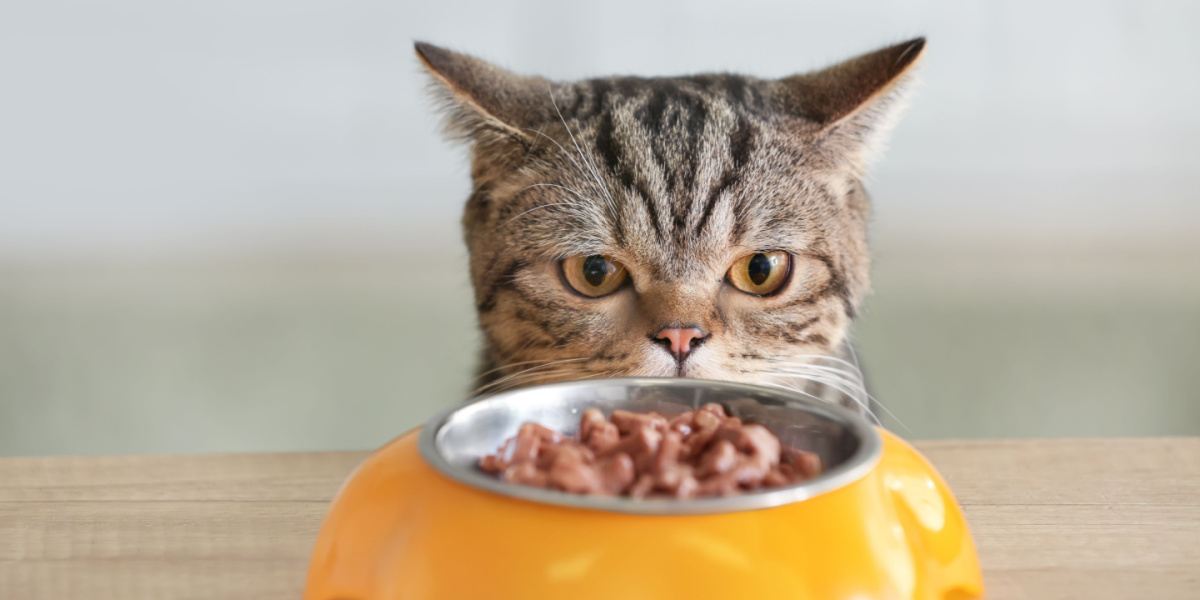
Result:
849,446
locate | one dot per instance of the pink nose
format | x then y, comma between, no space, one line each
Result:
680,339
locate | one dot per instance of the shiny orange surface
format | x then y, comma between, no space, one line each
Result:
398,529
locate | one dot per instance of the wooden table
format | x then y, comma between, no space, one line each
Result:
1113,518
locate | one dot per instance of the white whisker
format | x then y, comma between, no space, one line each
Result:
840,380
516,364
538,207
800,359
612,204
800,390
561,374
564,188
524,371
570,157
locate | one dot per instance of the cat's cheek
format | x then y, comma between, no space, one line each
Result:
619,310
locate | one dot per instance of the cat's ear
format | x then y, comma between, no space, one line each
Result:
855,103
485,103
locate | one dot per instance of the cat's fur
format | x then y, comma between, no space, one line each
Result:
676,178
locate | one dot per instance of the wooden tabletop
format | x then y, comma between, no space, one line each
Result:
1098,518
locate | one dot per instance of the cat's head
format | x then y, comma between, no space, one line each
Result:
711,226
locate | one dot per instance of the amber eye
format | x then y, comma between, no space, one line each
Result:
761,273
593,276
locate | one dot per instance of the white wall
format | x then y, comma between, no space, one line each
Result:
231,224
133,125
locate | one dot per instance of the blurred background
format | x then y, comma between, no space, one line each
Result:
231,225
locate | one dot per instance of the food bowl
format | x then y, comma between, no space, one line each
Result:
418,520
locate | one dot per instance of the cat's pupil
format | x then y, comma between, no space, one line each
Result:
759,268
595,269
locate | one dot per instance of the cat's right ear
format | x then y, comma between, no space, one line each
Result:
855,103
485,103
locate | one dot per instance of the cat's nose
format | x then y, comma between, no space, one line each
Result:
680,340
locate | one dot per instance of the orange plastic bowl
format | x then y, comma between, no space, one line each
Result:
417,520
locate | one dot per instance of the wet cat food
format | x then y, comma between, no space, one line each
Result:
700,453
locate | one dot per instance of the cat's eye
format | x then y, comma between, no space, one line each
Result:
593,276
761,273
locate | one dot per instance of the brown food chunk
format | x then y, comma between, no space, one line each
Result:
719,458
525,474
669,450
775,478
703,452
589,421
627,421
806,464
603,438
571,471
642,487
641,444
617,473
682,423
492,464
706,421
760,444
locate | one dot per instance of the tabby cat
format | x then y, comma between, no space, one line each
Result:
710,226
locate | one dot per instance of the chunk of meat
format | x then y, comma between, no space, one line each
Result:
720,458
697,453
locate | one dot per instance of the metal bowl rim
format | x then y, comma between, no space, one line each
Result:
861,462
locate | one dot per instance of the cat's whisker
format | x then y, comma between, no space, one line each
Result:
851,374
543,364
577,195
831,382
539,377
800,390
590,170
851,377
801,358
569,374
517,364
858,368
513,381
506,378
845,381
612,204
538,207
837,379
842,384
834,374
599,374
564,151
854,356
890,413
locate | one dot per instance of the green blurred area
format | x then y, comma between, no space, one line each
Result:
241,355
1060,366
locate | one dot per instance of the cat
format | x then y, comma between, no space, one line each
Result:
711,226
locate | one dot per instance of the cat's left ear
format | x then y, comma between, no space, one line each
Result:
855,103
485,103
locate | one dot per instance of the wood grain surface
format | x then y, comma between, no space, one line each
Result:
1079,518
